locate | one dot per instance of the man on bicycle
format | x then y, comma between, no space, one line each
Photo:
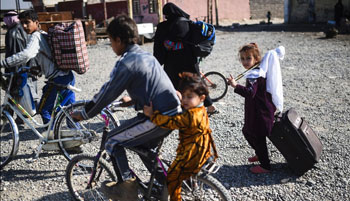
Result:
140,74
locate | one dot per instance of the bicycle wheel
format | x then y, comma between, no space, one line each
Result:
87,133
9,139
204,187
217,85
78,173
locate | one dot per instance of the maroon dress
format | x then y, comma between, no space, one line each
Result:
258,116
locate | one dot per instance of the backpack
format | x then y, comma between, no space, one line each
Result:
68,46
202,38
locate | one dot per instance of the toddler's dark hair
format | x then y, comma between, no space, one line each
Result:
125,28
193,83
29,14
251,47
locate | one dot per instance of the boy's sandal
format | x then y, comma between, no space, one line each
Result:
253,159
213,112
258,170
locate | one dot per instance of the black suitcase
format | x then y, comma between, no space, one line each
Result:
296,141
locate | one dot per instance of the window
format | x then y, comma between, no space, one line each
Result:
152,6
136,7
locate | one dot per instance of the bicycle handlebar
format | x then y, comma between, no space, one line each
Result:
62,86
70,87
114,105
23,69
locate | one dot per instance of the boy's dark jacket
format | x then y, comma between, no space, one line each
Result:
16,40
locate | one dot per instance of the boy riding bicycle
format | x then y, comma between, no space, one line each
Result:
140,74
38,48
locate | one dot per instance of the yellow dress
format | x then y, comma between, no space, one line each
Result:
195,146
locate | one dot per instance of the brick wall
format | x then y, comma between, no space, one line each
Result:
259,8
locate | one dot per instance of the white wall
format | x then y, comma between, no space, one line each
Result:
11,5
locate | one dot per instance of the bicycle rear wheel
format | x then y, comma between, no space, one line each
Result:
87,133
217,85
204,187
9,139
78,174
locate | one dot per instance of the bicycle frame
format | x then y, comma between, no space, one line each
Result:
147,188
202,74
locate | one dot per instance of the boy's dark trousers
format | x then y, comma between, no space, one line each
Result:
258,143
146,141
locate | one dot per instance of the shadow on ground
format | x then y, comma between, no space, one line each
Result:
56,196
29,174
241,176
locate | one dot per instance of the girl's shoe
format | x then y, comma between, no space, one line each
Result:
253,159
258,170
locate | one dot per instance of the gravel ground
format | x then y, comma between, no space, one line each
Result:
316,82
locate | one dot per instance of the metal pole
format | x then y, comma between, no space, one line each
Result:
130,9
216,13
211,11
160,11
17,6
207,20
105,12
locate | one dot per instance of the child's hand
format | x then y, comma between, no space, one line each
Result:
148,110
126,101
179,95
231,81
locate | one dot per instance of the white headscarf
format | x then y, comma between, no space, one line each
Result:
271,70
11,18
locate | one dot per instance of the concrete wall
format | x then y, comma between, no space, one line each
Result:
313,11
298,11
325,9
259,8
113,9
145,16
228,10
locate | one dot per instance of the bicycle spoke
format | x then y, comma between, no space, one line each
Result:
78,175
203,188
87,133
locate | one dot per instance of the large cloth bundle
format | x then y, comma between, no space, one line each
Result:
69,51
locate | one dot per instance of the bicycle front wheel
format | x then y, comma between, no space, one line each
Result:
204,187
85,135
79,172
9,139
217,85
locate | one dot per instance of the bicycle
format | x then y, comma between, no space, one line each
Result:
61,132
86,172
216,83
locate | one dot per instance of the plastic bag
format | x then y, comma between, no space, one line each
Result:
25,97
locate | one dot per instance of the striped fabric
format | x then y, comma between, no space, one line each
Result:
67,41
170,45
